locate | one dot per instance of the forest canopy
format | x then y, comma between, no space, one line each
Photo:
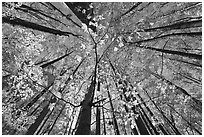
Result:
103,68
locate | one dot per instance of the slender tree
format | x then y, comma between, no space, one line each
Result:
104,122
85,114
179,25
98,123
198,102
19,22
191,34
55,60
35,125
37,97
53,124
173,52
173,127
116,129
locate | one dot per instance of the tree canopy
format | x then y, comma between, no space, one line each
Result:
103,68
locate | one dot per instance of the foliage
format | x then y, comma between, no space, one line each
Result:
114,52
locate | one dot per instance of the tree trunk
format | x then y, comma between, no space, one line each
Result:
192,126
198,102
37,97
131,9
72,114
179,25
34,26
162,129
141,126
186,62
191,79
151,114
55,60
34,111
148,122
104,122
115,124
165,118
34,126
70,127
53,124
85,114
98,131
68,18
42,125
179,53
192,34
26,8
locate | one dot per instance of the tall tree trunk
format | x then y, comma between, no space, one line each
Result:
148,122
179,53
70,127
34,126
69,121
198,102
131,9
26,8
98,131
192,126
56,118
85,114
141,126
179,25
152,115
191,34
31,25
34,111
42,125
67,17
98,113
55,60
163,130
164,116
186,62
191,79
104,122
115,124
37,97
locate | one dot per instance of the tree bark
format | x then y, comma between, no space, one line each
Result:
69,121
186,62
164,116
56,118
34,126
116,129
45,121
26,8
31,25
179,25
85,114
66,16
198,102
191,78
151,114
37,97
98,131
179,53
186,120
55,60
131,9
70,127
104,122
191,34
